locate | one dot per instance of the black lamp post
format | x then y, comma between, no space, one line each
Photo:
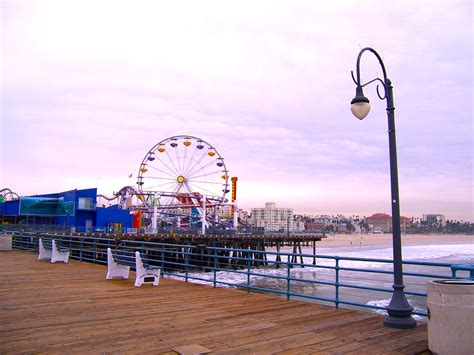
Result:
399,310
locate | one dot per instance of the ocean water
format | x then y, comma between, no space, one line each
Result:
436,253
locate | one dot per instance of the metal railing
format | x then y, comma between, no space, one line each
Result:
25,227
340,281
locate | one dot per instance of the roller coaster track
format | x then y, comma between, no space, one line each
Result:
129,191
5,192
121,193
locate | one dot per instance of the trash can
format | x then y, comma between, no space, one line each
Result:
451,316
5,242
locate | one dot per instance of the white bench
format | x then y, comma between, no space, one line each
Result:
52,249
119,263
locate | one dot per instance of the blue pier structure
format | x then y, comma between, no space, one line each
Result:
74,210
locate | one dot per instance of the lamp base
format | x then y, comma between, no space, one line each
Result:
399,322
399,310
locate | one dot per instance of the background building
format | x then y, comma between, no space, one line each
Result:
224,212
244,218
434,219
311,225
298,226
272,218
69,209
405,223
380,222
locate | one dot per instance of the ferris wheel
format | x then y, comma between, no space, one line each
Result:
182,173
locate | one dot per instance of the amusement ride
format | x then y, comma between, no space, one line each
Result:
181,182
8,195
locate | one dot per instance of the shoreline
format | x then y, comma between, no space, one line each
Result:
434,248
374,240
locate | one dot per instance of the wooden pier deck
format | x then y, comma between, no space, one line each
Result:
71,308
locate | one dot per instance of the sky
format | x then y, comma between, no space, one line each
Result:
88,87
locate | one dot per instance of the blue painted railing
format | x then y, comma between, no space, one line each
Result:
328,279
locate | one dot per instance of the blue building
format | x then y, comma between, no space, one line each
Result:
74,208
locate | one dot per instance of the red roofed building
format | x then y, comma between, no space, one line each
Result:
383,222
313,226
405,222
380,222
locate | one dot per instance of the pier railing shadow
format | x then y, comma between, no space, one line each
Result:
335,280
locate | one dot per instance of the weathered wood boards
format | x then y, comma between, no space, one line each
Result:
71,308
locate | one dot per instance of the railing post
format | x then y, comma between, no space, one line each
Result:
163,260
288,278
214,254
80,250
314,252
453,273
186,262
248,270
337,282
94,246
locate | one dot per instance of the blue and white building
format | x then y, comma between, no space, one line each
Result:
76,209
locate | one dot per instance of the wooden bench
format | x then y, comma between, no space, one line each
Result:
120,261
50,248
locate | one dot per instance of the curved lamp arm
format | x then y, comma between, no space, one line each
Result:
360,105
358,66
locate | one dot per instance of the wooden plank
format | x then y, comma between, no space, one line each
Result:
72,308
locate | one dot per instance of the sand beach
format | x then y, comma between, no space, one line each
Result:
380,240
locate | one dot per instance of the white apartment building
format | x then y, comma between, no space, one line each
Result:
433,218
244,216
298,226
271,218
325,220
224,211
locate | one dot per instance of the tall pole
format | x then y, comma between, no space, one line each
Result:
203,216
288,226
234,197
399,310
154,217
235,215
